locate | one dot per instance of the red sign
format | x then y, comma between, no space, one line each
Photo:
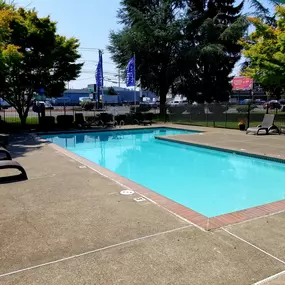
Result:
242,83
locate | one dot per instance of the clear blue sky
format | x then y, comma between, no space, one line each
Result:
90,21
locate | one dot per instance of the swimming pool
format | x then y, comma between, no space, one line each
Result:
207,181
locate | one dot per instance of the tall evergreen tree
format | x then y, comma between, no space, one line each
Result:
188,45
153,31
211,35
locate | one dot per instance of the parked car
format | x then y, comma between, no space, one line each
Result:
178,103
4,104
259,102
48,105
282,101
273,104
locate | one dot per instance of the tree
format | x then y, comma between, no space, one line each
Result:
40,59
152,29
265,51
210,49
111,91
263,12
8,52
187,46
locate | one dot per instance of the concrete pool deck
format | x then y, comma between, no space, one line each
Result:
69,225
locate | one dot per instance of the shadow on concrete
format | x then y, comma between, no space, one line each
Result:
21,144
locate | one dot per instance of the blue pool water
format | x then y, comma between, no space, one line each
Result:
207,181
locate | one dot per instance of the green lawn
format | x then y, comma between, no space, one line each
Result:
16,120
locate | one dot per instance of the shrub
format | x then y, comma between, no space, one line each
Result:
244,108
217,108
88,105
65,121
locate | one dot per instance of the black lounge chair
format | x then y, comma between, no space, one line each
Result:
4,139
143,119
80,122
147,119
6,152
107,120
121,119
11,164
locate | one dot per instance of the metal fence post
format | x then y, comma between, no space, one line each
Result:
214,114
248,115
227,107
207,109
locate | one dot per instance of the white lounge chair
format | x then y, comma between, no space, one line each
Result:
267,125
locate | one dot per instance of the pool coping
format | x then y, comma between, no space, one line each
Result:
123,128
175,208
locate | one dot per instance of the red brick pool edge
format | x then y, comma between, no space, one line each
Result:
175,208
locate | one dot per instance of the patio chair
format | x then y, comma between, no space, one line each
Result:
147,119
4,139
80,122
121,119
11,164
94,121
107,120
267,125
7,154
143,119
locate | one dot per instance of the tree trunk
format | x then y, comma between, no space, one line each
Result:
162,95
23,114
23,118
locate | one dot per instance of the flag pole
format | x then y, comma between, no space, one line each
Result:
135,87
102,82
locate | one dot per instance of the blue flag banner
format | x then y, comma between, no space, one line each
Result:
99,72
131,73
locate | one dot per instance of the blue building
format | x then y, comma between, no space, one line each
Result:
71,97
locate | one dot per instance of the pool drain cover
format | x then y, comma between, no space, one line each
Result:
139,199
127,192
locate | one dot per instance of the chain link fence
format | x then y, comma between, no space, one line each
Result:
221,115
224,115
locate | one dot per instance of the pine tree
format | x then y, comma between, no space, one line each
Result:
152,30
212,33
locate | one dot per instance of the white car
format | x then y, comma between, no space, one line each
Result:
178,103
48,105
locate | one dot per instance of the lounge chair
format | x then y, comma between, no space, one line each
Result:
143,119
4,139
80,122
11,164
147,119
121,119
267,125
6,153
107,120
